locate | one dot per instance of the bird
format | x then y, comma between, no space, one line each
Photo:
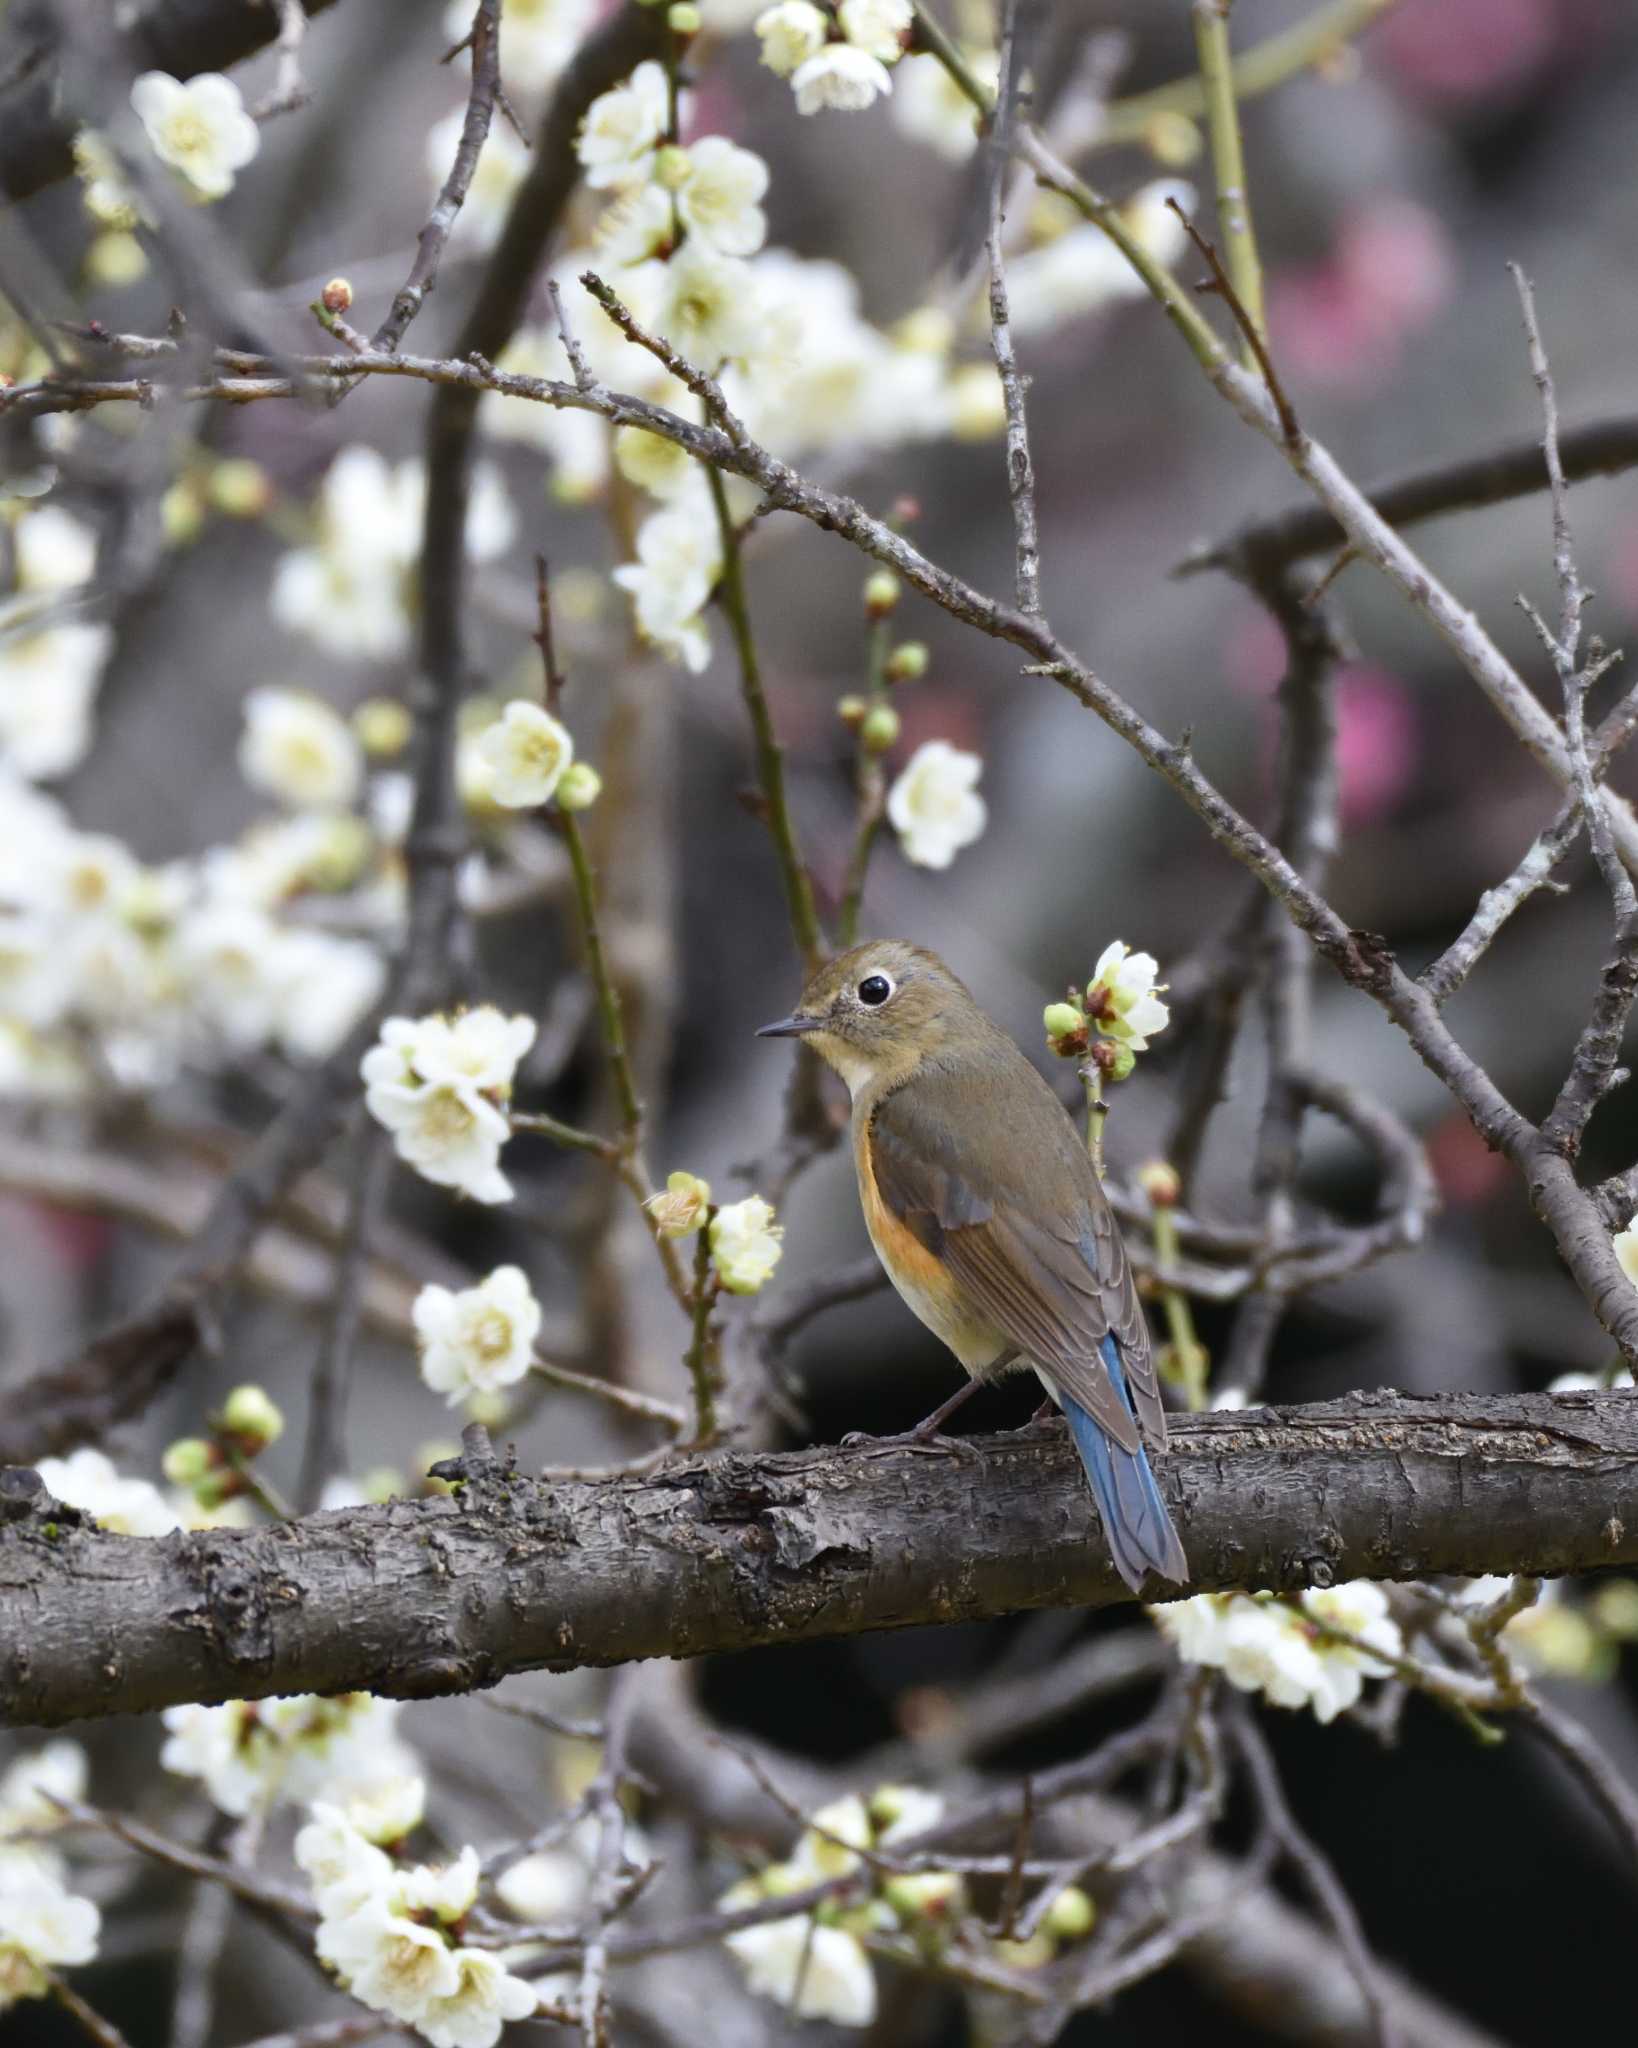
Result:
984,1207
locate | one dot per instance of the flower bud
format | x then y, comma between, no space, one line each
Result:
240,488
1112,1060
115,258
187,1461
381,1483
881,593
1615,1608
216,1488
1026,1955
908,662
683,18
337,296
1071,1914
384,727
181,513
489,1406
925,1895
248,1413
879,729
1161,1184
851,710
578,787
681,1209
672,167
1171,139
1062,1020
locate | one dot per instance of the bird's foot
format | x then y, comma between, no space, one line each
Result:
1042,1420
920,1438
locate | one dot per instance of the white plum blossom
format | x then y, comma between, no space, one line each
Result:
526,751
718,198
436,1083
54,551
548,1886
48,682
43,1927
86,1480
503,163
344,1867
839,76
1263,1645
1081,269
640,225
790,34
622,129
105,191
321,986
391,1934
934,805
299,750
30,1787
348,591
654,464
829,1845
480,1339
250,1754
1122,999
540,36
878,27
199,129
679,558
745,1244
931,108
819,1972
1590,1382
900,1811
707,305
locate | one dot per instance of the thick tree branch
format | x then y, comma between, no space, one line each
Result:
450,1594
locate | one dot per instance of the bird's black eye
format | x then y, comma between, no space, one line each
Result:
875,990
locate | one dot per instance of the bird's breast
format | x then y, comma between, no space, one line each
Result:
923,1281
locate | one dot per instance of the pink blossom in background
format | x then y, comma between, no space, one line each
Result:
1343,323
1376,747
1376,743
1461,50
1467,1171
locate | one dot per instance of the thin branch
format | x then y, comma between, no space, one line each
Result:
1314,1869
1211,37
1014,384
1468,484
289,87
412,294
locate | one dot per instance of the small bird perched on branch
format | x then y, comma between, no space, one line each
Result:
989,1217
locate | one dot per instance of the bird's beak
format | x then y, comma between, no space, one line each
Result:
790,1027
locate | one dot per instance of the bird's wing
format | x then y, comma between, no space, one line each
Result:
1041,1259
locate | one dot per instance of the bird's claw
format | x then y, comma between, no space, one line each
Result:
908,1440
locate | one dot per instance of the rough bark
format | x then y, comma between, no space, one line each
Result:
727,1552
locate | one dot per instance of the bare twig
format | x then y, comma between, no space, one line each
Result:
289,88
1014,384
1211,37
484,41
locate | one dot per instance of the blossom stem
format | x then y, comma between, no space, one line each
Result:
541,1125
265,1494
626,1156
1211,35
98,2029
871,784
1187,1349
700,1359
1255,71
769,757
608,996
645,1405
1097,1110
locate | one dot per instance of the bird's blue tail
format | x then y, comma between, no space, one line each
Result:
1140,1532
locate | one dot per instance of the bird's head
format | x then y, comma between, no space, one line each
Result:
877,1011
